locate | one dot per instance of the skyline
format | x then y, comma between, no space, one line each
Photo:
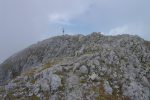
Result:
23,23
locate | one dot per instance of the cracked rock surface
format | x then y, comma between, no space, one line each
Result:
92,67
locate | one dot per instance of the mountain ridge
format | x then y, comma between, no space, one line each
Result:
127,57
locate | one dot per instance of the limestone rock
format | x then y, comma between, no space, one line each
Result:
93,76
107,87
136,91
44,84
55,82
72,81
83,69
79,67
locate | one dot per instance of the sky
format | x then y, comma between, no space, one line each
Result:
24,22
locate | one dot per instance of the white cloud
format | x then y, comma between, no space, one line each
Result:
57,18
23,22
125,29
63,13
139,29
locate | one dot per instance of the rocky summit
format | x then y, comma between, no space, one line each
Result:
78,67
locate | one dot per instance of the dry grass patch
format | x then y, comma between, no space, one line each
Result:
114,96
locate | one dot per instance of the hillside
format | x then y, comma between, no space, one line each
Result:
78,67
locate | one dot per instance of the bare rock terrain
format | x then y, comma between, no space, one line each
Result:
92,67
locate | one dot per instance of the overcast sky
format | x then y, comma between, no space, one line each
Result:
23,22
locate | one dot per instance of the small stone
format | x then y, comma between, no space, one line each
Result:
30,93
145,82
115,74
116,87
83,69
36,91
96,62
107,87
93,76
76,66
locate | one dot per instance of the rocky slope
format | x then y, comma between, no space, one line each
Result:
92,67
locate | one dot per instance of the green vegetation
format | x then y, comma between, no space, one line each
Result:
30,72
147,44
30,75
62,88
46,95
114,96
34,97
111,65
10,96
59,73
82,74
48,65
83,81
103,61
32,80
16,81
1,89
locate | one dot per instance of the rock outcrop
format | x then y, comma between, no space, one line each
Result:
92,67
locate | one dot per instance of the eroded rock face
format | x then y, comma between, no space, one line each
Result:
55,82
73,80
79,67
136,91
43,84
